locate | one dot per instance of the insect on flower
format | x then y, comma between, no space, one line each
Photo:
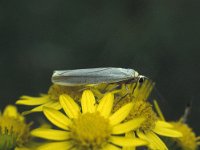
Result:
88,76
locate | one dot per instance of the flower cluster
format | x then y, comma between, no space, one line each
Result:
94,117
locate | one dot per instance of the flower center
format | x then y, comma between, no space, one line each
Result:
90,131
56,90
12,132
143,109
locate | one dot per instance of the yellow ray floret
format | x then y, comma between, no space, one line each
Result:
90,125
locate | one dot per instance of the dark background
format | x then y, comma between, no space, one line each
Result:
159,39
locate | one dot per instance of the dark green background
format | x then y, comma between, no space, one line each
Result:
159,39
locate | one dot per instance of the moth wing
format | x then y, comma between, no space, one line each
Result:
91,76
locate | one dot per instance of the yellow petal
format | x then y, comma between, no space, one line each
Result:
127,126
163,124
51,104
151,144
105,105
55,145
70,107
111,147
120,114
160,114
10,111
32,101
57,118
88,102
129,135
167,132
50,134
128,142
156,140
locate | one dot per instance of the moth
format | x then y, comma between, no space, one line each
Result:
78,77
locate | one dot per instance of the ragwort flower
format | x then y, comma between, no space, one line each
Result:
14,132
91,126
152,127
189,141
51,99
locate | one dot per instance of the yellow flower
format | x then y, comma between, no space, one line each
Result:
49,100
152,127
189,141
14,132
91,126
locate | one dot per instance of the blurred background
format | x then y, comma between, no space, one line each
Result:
159,39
